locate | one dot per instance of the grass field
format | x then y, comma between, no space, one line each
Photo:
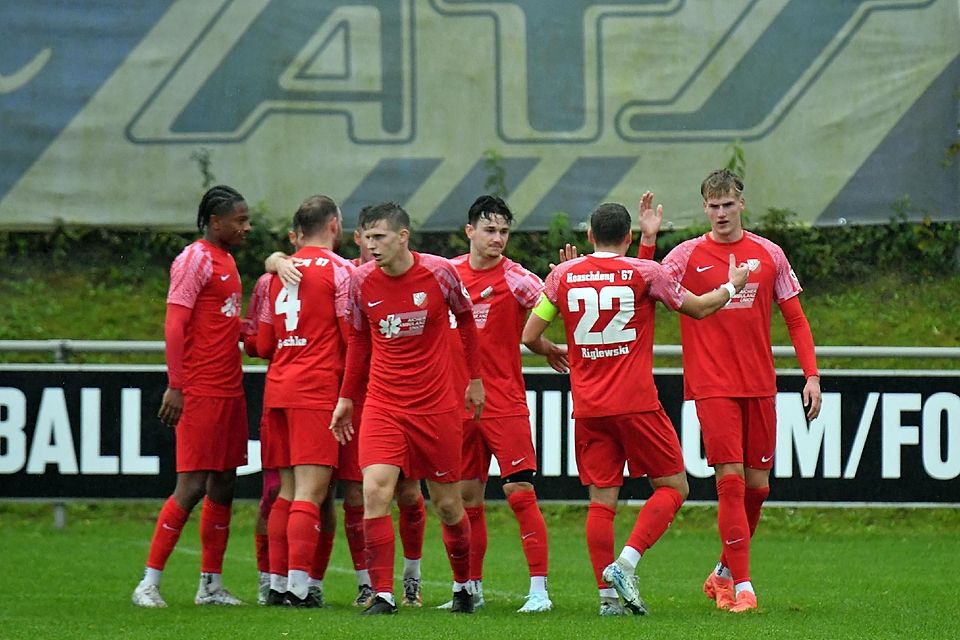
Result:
820,573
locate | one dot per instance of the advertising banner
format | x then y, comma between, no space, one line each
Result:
86,431
116,114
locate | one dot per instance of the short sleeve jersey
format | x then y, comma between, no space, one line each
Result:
408,317
307,365
728,353
204,278
501,296
607,302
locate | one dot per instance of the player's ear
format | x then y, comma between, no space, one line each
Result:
468,229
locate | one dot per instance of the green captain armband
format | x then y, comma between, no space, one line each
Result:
545,310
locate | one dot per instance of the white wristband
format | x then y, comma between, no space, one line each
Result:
732,290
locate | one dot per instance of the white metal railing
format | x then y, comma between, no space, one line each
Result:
62,349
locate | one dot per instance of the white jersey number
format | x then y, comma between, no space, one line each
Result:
287,305
594,302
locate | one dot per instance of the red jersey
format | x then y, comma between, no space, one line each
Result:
204,278
501,296
251,321
607,303
714,362
304,320
407,318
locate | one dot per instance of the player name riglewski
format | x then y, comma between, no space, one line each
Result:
595,354
590,276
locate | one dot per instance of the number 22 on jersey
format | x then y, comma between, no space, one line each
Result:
592,301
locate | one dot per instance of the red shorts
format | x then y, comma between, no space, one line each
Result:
349,466
507,438
740,430
292,437
212,434
423,446
646,441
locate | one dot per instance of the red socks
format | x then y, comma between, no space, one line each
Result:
733,526
263,550
353,528
379,541
533,530
169,525
303,529
277,533
321,557
214,532
654,518
753,500
600,539
413,523
478,540
456,538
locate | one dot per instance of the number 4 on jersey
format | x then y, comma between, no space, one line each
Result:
287,305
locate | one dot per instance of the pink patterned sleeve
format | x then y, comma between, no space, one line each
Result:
785,284
189,274
259,309
342,271
449,282
662,285
526,286
551,288
676,261
354,310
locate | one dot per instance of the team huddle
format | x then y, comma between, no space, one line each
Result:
401,367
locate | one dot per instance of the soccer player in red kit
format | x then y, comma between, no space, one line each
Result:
204,399
303,330
607,303
400,308
728,371
271,478
412,522
502,292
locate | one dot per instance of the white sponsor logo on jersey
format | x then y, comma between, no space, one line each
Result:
408,323
231,306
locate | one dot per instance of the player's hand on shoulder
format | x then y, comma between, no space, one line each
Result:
171,407
738,274
289,274
569,252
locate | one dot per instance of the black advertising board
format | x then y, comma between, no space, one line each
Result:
75,431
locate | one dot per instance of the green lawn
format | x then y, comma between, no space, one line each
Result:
820,573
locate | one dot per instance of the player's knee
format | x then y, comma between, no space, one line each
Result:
519,481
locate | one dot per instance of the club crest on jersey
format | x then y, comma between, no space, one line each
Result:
419,298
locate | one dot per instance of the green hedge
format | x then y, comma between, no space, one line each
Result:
820,255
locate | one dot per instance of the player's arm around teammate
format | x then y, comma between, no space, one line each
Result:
204,399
